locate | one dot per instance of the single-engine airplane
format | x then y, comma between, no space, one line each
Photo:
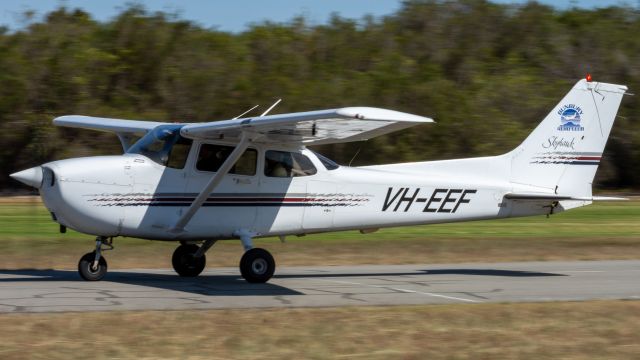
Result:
248,177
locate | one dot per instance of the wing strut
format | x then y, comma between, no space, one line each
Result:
215,180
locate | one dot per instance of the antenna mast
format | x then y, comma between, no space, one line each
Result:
246,112
271,107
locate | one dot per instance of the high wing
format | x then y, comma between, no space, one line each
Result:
309,128
127,130
118,126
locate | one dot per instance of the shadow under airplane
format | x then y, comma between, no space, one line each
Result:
234,285
479,272
208,285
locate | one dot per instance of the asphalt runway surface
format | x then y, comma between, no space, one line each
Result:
318,286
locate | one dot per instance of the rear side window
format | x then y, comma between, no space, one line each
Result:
212,156
287,164
328,163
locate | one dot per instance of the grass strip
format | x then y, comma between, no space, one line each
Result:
566,330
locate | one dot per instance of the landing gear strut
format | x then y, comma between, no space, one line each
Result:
93,266
188,260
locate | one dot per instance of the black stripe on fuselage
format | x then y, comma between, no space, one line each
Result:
258,204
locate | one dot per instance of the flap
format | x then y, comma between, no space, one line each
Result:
310,128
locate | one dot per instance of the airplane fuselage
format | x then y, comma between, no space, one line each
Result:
131,195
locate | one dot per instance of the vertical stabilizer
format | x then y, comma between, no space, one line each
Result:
562,154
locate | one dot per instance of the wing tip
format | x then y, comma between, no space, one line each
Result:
63,117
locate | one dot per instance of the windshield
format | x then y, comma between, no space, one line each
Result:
158,143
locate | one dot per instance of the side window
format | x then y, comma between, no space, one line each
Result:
247,163
179,153
328,163
287,164
212,156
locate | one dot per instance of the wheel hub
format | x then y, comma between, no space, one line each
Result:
259,266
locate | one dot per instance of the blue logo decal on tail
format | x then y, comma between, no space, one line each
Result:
570,118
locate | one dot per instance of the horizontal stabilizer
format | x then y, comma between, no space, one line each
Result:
608,198
556,197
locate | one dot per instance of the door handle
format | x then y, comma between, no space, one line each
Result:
242,181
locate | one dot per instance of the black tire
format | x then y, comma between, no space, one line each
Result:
185,264
257,266
85,267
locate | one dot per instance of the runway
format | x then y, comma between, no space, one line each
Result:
320,286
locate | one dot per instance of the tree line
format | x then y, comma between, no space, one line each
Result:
487,73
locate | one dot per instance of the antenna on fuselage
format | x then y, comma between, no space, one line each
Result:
356,154
271,107
246,112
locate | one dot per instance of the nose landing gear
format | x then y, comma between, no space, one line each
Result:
93,266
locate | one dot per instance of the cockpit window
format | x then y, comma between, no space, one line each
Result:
212,156
179,153
164,145
287,164
328,163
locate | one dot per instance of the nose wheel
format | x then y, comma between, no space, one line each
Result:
93,266
87,269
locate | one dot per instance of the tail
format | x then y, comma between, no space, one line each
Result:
562,154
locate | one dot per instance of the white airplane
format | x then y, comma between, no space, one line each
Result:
254,177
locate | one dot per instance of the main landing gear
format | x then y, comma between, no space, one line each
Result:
188,260
256,265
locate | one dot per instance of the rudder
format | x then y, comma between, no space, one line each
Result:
563,152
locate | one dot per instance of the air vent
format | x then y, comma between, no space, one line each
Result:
49,177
